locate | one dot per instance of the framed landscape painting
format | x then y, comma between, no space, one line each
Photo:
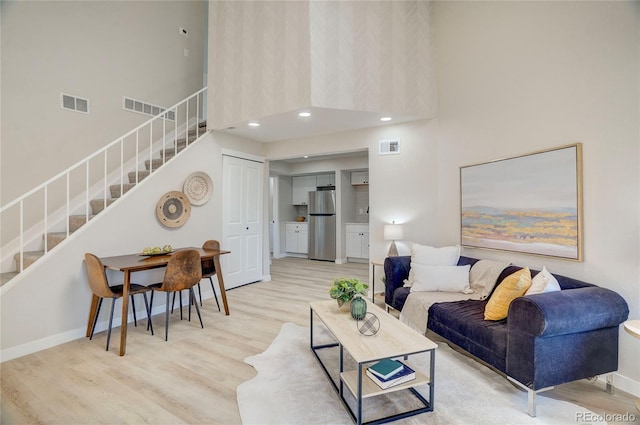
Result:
530,203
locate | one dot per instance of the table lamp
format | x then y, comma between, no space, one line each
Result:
392,232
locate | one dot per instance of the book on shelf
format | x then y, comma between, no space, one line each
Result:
386,368
406,374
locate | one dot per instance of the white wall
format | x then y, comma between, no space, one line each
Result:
99,50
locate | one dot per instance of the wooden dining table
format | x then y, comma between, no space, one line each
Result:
137,262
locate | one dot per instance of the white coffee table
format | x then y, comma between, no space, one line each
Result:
394,339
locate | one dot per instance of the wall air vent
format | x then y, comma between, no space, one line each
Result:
389,147
74,103
144,108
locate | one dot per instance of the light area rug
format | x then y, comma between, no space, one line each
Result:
291,388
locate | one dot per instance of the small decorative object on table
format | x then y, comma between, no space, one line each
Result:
156,250
358,307
343,290
369,325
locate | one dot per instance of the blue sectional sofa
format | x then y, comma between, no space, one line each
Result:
546,340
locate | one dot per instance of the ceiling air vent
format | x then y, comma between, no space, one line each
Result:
74,103
389,147
145,108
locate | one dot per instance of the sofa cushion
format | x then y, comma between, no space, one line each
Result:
484,276
543,282
416,307
461,322
399,297
430,256
440,278
445,256
512,287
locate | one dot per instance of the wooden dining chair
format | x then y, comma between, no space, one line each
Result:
100,287
208,271
183,272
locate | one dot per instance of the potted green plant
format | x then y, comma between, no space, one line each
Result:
343,290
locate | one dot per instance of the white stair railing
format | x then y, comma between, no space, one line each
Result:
99,170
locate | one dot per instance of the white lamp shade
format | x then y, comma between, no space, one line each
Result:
392,232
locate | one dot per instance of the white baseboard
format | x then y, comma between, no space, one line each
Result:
291,254
41,344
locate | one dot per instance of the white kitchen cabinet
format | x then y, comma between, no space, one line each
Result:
297,238
359,177
357,240
302,185
326,180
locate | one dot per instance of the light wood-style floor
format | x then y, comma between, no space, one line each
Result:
192,378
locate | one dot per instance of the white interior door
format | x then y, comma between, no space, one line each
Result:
242,220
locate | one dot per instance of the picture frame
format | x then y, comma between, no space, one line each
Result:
531,203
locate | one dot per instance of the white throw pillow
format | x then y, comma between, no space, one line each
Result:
430,256
440,278
484,274
543,282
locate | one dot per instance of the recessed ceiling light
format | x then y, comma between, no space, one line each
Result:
385,119
306,156
304,114
254,124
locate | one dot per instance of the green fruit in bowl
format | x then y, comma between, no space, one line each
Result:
156,250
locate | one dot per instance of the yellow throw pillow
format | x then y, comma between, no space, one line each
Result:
511,287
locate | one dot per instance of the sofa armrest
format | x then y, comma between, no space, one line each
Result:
567,311
396,270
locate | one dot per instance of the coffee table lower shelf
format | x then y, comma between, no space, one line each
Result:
371,389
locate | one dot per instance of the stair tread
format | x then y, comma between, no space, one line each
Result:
57,233
32,253
6,277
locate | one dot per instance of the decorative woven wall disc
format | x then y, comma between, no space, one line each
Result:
198,187
173,209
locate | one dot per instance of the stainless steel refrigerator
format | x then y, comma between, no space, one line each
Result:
322,225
